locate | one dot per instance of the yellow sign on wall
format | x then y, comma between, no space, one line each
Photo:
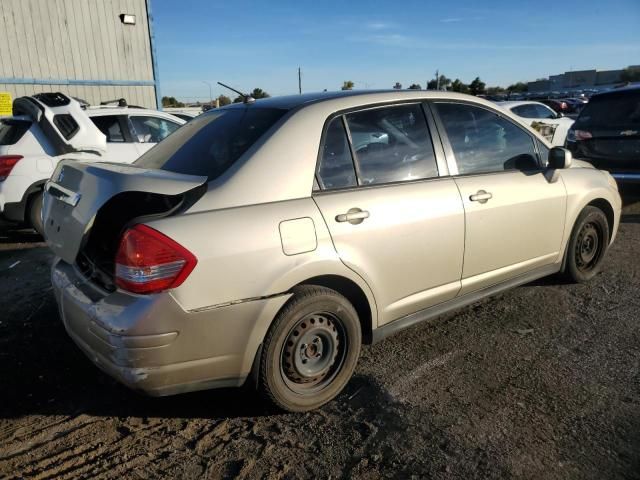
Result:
5,104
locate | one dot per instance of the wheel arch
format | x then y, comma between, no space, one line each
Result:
352,292
607,209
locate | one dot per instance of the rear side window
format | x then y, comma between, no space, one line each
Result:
11,131
66,124
483,141
152,129
110,126
619,110
209,144
336,165
392,144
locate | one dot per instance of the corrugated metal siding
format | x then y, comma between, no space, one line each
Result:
76,40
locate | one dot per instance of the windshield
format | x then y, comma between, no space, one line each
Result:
618,110
12,130
212,142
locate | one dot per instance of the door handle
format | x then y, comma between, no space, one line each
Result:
354,216
481,196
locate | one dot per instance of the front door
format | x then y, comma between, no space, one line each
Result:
392,220
514,210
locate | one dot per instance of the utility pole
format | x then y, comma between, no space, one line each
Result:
437,80
299,81
210,95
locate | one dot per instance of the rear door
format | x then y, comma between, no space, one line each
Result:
392,219
121,146
514,212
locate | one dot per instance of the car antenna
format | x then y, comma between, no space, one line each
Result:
245,98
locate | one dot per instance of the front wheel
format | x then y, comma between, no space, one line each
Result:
311,349
587,245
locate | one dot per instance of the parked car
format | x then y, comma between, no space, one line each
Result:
551,125
558,106
267,241
50,126
607,133
186,116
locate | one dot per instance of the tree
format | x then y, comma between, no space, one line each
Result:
631,74
347,85
259,93
442,84
397,86
477,87
171,102
256,93
223,100
518,87
415,86
458,86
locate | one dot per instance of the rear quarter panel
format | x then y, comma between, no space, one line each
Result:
240,254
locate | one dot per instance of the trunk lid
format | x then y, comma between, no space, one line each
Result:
77,191
63,121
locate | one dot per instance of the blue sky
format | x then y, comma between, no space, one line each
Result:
377,43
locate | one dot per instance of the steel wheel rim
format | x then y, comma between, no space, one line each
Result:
313,352
588,247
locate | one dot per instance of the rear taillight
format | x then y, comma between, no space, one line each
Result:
148,261
582,135
7,162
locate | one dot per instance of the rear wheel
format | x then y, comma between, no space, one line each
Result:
587,245
35,213
311,350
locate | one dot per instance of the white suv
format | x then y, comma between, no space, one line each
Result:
48,127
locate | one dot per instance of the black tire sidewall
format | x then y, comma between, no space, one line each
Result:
35,213
589,214
304,302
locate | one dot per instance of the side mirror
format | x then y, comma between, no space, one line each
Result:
560,115
559,158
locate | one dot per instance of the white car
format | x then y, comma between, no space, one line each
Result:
551,125
48,127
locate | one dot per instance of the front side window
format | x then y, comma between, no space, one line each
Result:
392,144
484,142
336,165
110,126
152,129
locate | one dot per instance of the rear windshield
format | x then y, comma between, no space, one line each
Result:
12,130
210,143
619,110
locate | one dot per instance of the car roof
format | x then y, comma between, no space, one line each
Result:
106,110
289,102
513,103
618,91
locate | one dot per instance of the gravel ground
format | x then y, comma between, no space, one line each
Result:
539,382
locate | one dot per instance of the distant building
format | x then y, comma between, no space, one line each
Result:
97,51
577,80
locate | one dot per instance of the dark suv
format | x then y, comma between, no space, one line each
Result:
607,133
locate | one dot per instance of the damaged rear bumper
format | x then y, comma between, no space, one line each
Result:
149,343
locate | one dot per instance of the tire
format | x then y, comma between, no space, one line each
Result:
35,213
587,245
311,350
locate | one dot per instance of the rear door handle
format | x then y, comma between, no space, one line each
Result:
354,216
481,196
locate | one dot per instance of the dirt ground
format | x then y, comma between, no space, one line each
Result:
540,382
